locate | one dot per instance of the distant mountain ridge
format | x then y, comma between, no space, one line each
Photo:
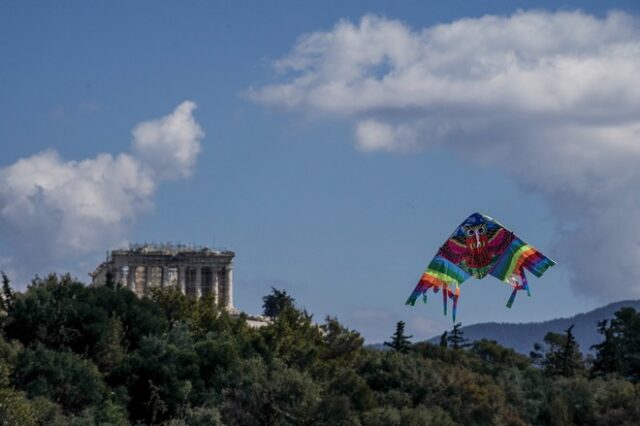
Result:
522,336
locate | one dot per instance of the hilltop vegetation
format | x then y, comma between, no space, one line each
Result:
77,355
523,336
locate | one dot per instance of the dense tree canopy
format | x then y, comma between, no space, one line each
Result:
72,354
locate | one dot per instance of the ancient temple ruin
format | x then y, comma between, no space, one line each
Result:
196,271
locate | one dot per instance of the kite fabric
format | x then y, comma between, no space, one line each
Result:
480,246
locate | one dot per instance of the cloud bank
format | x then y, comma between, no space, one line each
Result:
52,209
550,98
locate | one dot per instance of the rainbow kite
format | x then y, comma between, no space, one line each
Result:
480,246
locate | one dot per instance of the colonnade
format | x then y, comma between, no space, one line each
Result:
192,280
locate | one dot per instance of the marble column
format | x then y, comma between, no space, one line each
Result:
215,284
182,279
147,277
164,279
198,283
229,292
131,278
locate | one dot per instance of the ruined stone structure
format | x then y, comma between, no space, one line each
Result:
197,272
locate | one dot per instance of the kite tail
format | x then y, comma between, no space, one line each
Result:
444,299
455,297
440,275
525,284
447,293
426,282
421,289
512,298
522,285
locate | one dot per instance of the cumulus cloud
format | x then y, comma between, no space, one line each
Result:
551,98
373,135
52,209
169,145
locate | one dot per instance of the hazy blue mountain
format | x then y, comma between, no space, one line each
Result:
522,336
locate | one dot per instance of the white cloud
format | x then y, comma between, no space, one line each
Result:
372,135
52,209
169,145
551,98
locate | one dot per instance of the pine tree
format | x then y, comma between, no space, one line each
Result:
456,338
443,340
7,297
399,341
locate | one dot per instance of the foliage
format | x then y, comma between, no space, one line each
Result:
560,355
276,302
7,297
60,376
619,352
455,338
399,341
77,355
443,340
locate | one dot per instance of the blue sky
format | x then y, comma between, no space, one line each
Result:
341,199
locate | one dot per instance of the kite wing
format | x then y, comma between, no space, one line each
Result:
478,247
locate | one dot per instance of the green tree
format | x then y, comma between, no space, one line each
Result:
15,408
7,298
492,353
560,355
294,338
340,343
62,313
162,376
571,360
456,337
608,355
400,342
443,340
111,350
275,302
110,281
271,395
175,305
619,352
60,376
